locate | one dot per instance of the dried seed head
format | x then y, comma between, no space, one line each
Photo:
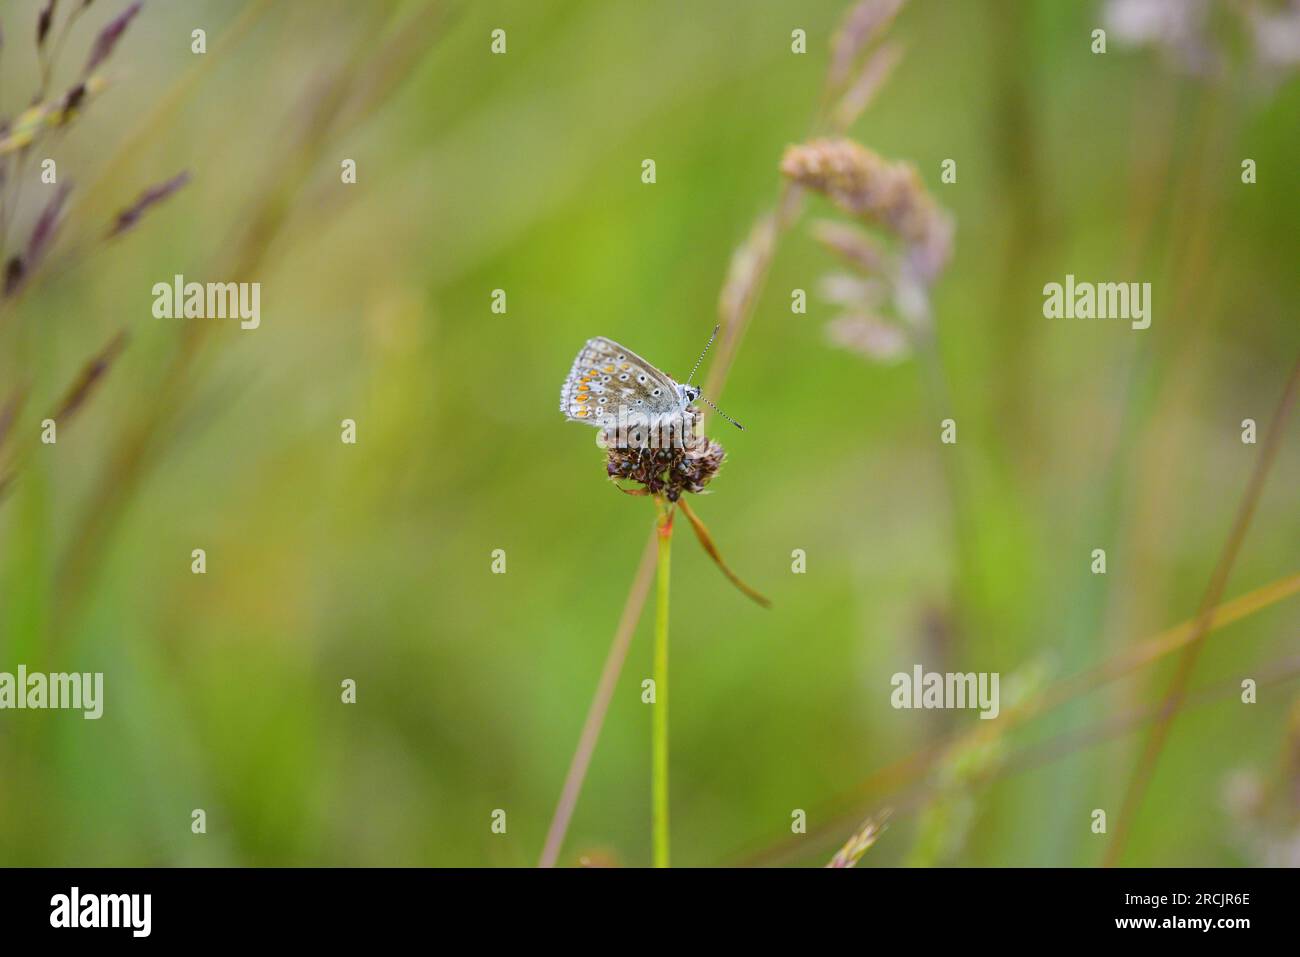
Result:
863,184
879,193
668,471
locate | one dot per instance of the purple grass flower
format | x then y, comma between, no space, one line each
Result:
128,217
44,21
108,37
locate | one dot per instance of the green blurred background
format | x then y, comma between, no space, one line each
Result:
372,561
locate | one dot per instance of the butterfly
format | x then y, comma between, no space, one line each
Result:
607,377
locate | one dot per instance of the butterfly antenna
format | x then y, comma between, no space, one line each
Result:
701,358
723,414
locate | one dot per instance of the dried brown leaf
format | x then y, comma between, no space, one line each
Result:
706,540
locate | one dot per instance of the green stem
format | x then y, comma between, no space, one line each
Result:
659,727
965,588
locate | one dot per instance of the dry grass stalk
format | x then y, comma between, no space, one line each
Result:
1155,743
874,74
865,22
706,541
749,266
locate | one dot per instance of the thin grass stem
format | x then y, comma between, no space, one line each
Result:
599,707
1155,743
659,726
903,771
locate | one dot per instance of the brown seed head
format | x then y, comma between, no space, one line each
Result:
863,184
668,471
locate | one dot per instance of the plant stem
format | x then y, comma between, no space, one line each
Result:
599,704
1177,693
965,584
659,727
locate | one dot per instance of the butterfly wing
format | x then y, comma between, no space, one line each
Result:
606,375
